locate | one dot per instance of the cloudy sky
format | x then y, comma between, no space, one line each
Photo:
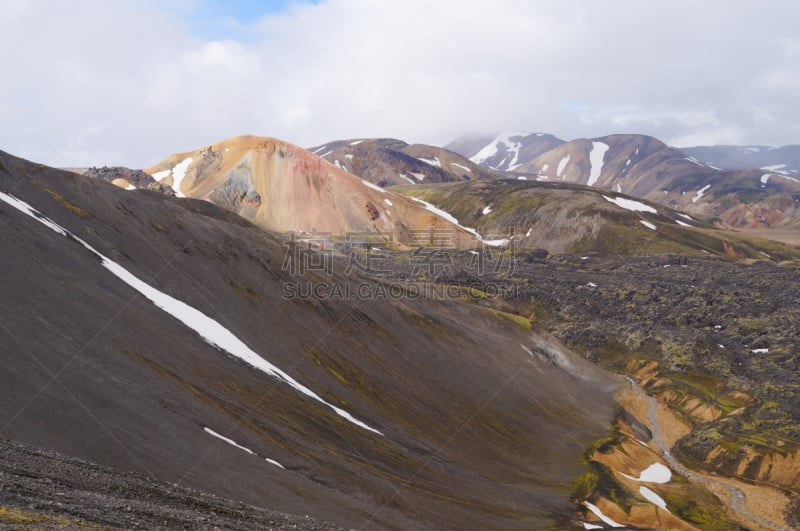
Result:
128,82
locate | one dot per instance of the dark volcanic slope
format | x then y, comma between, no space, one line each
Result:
45,489
479,428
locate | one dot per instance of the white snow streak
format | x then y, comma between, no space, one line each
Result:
447,216
178,173
273,462
460,166
630,204
681,223
653,498
406,177
700,193
486,210
598,513
596,158
229,441
765,178
373,186
433,162
419,176
562,164
648,224
356,142
207,328
493,147
387,202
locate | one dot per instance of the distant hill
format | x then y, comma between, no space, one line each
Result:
568,218
785,159
506,151
645,167
387,161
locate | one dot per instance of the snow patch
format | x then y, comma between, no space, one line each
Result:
596,158
460,166
562,164
648,224
419,176
387,202
700,193
273,462
522,178
349,156
373,186
406,177
207,328
686,216
545,167
355,142
161,175
229,441
619,188
760,351
681,223
446,215
527,234
433,162
765,178
178,173
630,204
653,498
130,187
486,210
492,148
655,473
598,513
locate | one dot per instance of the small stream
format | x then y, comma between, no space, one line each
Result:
735,496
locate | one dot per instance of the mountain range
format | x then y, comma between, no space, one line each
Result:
509,332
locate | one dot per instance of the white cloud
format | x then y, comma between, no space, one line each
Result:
94,82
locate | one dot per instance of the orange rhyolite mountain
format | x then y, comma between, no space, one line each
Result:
283,187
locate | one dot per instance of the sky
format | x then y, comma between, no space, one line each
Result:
129,82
